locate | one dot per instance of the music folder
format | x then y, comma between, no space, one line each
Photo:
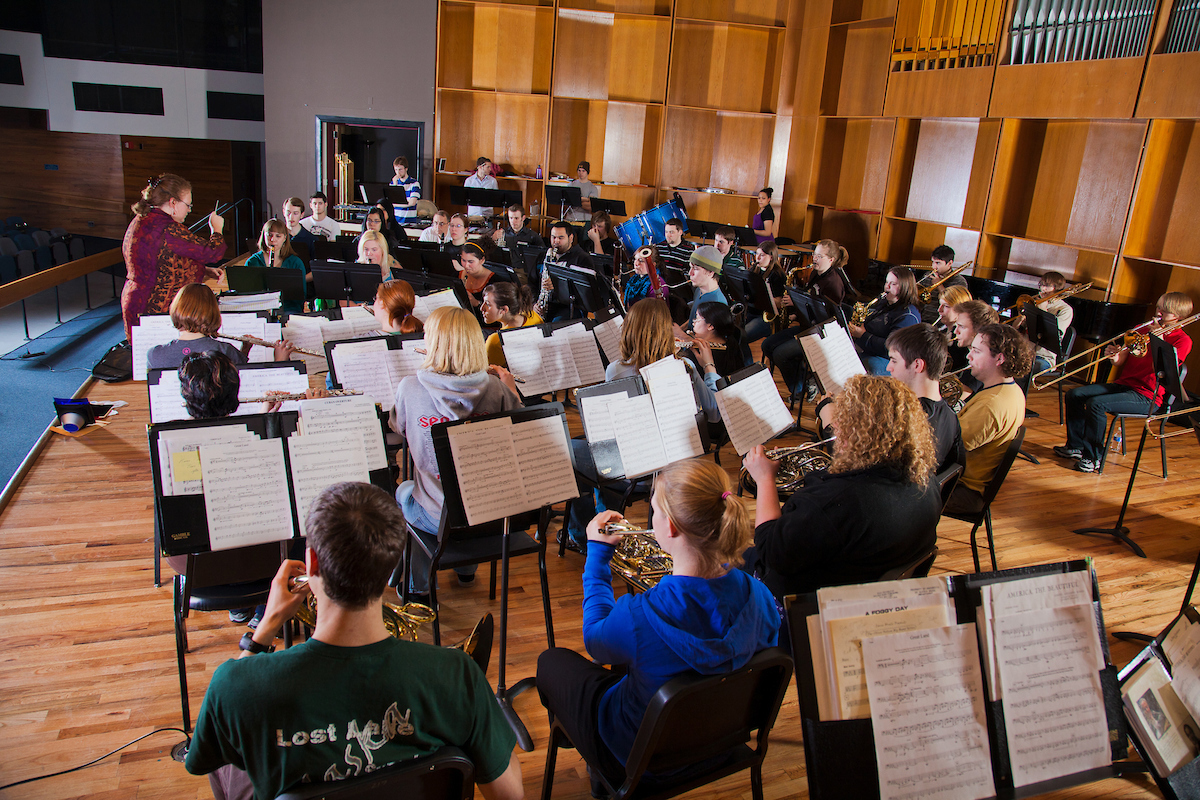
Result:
751,408
831,355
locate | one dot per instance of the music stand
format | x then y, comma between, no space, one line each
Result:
760,294
503,272
290,283
809,310
616,207
339,280
703,228
485,198
436,262
531,258
1042,329
745,236
580,286
408,258
565,197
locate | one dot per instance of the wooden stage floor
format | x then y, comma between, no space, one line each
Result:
87,659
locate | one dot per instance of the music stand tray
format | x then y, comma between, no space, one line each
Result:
290,283
337,280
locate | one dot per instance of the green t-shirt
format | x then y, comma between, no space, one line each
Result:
316,712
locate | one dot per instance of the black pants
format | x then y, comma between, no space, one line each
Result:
571,687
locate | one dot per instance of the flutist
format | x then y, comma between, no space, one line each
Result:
197,316
1135,390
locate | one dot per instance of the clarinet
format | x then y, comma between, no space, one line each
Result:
543,301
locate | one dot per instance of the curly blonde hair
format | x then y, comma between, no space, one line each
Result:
880,421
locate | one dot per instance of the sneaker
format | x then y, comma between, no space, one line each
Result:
466,580
1068,452
240,616
1087,465
572,544
810,390
257,618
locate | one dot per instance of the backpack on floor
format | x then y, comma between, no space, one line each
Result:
117,364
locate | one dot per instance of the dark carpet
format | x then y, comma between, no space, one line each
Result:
28,386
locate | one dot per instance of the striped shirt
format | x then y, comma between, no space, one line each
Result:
412,191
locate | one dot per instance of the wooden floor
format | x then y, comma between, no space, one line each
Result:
87,659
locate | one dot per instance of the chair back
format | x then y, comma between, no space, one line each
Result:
693,718
8,247
220,568
917,568
1010,455
1068,343
444,775
947,479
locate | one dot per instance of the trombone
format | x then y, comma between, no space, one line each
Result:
927,292
1135,340
1169,415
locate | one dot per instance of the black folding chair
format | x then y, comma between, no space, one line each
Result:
446,774
984,516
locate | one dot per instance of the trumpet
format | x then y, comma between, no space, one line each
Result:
794,464
1135,340
285,396
928,292
233,337
863,310
683,344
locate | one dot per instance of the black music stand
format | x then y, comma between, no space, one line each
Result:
290,283
1042,329
435,262
503,272
703,228
580,287
1166,373
613,207
760,294
564,197
745,236
809,310
408,258
486,198
339,280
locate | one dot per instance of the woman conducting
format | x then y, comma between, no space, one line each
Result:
707,617
454,382
160,253
275,250
509,306
876,507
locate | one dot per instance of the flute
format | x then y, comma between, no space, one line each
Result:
516,378
683,344
263,343
280,398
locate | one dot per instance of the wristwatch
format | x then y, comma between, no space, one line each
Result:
248,644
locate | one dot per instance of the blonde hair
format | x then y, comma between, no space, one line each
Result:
159,191
195,310
373,236
953,295
646,335
275,226
454,342
1176,303
880,421
696,496
836,252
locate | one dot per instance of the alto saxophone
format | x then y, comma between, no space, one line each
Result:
863,310
547,288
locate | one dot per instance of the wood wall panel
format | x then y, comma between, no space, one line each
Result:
508,128
619,139
724,208
1107,173
961,92
755,12
85,194
729,67
1163,222
206,164
1170,88
1104,89
941,173
657,7
477,47
704,148
867,57
635,49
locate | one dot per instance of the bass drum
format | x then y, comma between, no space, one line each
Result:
652,223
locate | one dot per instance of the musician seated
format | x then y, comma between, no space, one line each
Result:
994,414
509,306
714,325
209,383
876,507
646,281
458,237
438,231
948,298
393,308
196,315
783,349
565,252
674,250
600,238
376,220
1135,390
969,318
766,264
647,336
899,310
350,695
707,617
454,382
725,240
704,267
373,249
942,259
1051,283
917,357
275,250
517,232
475,276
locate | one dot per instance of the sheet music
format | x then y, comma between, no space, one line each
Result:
335,329
179,455
166,398
427,304
832,357
258,382
638,440
319,461
484,459
306,332
753,411
522,351
586,355
345,416
826,702
362,365
558,363
544,461
246,495
1053,703
927,716
608,335
675,408
249,325
360,320
151,330
1182,646
1155,712
593,410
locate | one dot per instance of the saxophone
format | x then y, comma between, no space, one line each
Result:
863,310
547,289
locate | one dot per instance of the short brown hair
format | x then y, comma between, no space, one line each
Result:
979,313
295,202
921,341
195,310
275,226
646,335
517,208
1016,349
697,498
400,161
909,294
357,532
1054,280
1176,303
160,190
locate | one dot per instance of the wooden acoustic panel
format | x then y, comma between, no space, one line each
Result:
708,148
606,56
1170,88
1165,208
503,48
941,175
858,81
733,210
903,241
508,128
753,12
852,163
206,164
960,92
64,180
620,140
1099,89
661,8
729,67
856,10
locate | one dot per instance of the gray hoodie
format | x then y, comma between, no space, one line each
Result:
427,398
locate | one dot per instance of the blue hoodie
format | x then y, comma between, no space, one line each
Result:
684,624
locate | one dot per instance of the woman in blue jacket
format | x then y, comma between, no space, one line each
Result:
708,617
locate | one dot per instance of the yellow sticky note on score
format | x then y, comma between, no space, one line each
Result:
185,466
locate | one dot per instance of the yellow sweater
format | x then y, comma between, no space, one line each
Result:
989,422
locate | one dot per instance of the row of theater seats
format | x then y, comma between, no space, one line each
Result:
25,250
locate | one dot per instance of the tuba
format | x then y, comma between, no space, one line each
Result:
794,465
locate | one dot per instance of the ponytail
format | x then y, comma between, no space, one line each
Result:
697,498
158,191
842,256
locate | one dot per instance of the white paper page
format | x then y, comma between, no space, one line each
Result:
675,408
522,351
361,321
258,382
1182,646
246,495
400,365
249,325
166,400
544,462
753,411
427,304
263,301
306,332
585,354
820,663
927,716
832,357
151,331
885,595
558,363
638,440
363,366
346,416
319,461
333,330
597,424
485,460
1053,703
1156,712
608,335
179,454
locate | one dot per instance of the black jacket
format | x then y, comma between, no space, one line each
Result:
882,323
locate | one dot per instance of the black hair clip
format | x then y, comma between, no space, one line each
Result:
154,182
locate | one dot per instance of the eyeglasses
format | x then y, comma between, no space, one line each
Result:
177,200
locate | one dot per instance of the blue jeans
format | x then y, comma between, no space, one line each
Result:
1040,364
756,329
426,525
786,352
590,501
876,365
1088,408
